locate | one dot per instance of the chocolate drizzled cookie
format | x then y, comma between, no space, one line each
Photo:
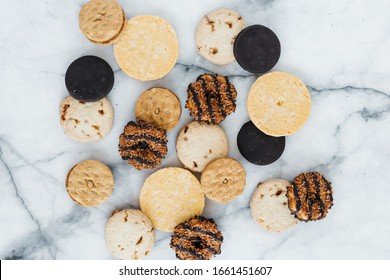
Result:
211,98
142,144
310,196
197,239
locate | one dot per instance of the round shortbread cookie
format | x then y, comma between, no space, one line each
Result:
170,196
160,107
86,121
199,144
278,104
101,21
269,206
147,49
223,180
129,234
216,33
89,183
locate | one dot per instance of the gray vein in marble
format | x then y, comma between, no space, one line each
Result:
24,205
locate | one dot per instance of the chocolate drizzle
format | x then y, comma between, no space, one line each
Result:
196,239
310,196
211,98
142,144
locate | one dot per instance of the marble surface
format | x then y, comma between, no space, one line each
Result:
339,48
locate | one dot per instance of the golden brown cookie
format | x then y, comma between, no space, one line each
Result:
310,196
278,104
101,21
269,206
147,48
89,183
143,145
160,107
171,196
223,180
197,239
211,98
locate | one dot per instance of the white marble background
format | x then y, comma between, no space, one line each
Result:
339,48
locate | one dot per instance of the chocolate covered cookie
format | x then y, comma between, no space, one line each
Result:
258,147
89,78
143,145
197,239
257,49
211,98
310,196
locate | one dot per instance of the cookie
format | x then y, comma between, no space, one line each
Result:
215,35
310,196
101,21
129,234
86,121
160,107
257,147
199,144
89,78
143,145
170,196
198,238
89,183
279,104
223,180
147,48
269,206
211,98
257,49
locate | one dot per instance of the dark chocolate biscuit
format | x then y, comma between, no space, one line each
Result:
310,196
257,49
89,78
197,239
211,98
143,145
258,147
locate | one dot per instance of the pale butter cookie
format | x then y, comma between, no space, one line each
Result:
216,33
129,234
199,144
86,121
269,206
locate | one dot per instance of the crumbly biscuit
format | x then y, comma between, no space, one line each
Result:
101,21
216,33
197,239
86,121
199,144
89,183
223,180
170,196
310,196
147,48
129,234
211,98
269,206
160,107
278,104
